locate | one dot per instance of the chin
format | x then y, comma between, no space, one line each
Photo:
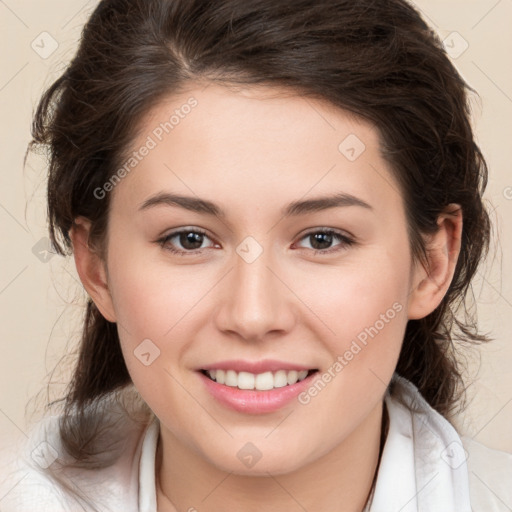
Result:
250,461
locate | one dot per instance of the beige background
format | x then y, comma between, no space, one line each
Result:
40,302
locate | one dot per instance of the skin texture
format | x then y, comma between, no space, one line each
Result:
252,152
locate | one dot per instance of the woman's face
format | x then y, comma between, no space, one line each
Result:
255,289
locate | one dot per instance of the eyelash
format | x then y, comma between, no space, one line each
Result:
344,239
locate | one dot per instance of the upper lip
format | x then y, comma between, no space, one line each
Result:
256,367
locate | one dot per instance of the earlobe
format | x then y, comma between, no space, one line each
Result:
91,268
429,285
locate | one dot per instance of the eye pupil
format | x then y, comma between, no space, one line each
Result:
195,239
325,240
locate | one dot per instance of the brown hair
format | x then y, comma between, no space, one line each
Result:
378,60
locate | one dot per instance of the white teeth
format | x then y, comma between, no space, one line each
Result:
245,380
231,378
280,379
292,377
261,382
264,381
220,376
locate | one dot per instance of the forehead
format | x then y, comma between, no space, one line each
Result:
255,144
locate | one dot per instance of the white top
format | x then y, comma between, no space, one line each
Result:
425,466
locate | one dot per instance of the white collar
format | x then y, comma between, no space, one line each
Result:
147,484
423,464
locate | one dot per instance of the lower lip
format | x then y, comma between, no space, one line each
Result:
252,401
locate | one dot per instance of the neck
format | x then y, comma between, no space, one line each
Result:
339,480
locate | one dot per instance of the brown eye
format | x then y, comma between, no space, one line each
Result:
321,241
187,240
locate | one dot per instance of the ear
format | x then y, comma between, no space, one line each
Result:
429,285
91,268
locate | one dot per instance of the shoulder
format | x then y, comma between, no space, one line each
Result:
490,477
30,465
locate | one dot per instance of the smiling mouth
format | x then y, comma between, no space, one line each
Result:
259,382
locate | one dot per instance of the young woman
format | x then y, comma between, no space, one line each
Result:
275,208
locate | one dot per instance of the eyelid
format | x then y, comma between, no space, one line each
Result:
339,232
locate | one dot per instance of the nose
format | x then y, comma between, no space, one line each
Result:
256,301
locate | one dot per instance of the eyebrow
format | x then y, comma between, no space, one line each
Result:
295,208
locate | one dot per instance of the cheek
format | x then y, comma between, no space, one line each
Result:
367,318
367,293
154,306
154,309
152,301
364,306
